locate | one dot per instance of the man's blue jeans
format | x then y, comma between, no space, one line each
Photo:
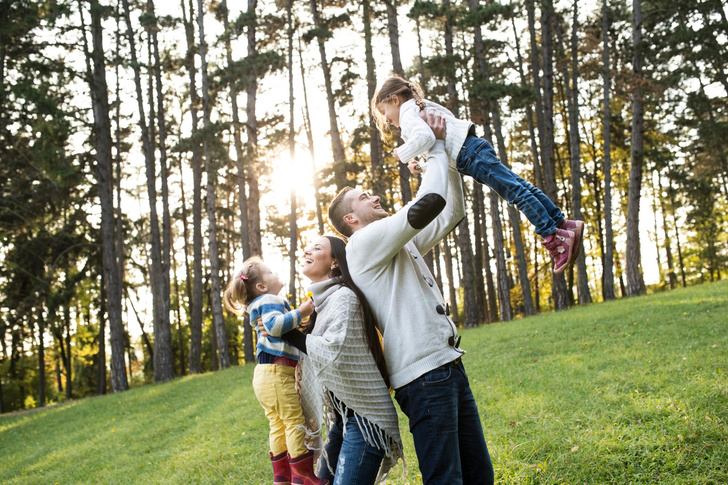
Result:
445,425
354,461
477,158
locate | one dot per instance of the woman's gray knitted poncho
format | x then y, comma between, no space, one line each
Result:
338,361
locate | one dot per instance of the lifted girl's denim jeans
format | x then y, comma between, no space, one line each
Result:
477,158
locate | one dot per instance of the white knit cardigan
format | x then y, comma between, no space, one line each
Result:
419,138
338,361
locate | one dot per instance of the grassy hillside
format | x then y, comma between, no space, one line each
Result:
630,391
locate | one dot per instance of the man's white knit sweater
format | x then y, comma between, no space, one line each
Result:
385,261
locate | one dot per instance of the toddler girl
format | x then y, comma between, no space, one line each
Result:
399,102
255,288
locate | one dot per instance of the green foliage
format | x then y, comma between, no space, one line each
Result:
630,391
320,33
236,73
426,9
443,66
486,14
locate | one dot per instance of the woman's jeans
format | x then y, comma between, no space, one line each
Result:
477,159
445,425
353,460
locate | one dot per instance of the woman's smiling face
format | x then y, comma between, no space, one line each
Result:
317,260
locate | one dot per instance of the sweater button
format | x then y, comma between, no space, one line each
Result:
440,309
429,281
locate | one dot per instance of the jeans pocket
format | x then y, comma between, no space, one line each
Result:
437,376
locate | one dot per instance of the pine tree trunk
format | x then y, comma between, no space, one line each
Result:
515,220
655,197
559,290
120,257
452,284
492,309
41,362
452,93
309,135
211,169
186,248
468,281
572,99
680,254
67,356
529,111
251,127
164,349
608,265
671,277
503,282
195,363
162,337
379,185
293,229
101,354
635,283
164,172
337,146
512,212
537,85
104,178
479,235
393,31
238,142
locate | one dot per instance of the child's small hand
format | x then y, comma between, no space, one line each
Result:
415,167
394,154
306,308
262,331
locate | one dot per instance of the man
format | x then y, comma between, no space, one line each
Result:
419,339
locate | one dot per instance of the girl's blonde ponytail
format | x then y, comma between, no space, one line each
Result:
240,290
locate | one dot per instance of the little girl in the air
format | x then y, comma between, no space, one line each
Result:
399,102
255,288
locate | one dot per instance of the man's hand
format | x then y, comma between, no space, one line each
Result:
415,167
436,122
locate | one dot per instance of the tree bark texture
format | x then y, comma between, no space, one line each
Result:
559,291
218,322
163,369
104,178
635,283
337,146
195,357
608,266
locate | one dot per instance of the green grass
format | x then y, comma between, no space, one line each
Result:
632,391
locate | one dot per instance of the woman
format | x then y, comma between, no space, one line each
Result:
342,368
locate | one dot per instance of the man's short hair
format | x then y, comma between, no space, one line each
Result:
338,208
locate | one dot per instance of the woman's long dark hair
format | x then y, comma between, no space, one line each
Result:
338,252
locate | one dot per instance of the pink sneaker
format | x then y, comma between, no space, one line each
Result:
577,227
561,246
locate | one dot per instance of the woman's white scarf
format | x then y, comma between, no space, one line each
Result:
338,361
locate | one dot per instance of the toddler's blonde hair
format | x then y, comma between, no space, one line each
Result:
241,291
